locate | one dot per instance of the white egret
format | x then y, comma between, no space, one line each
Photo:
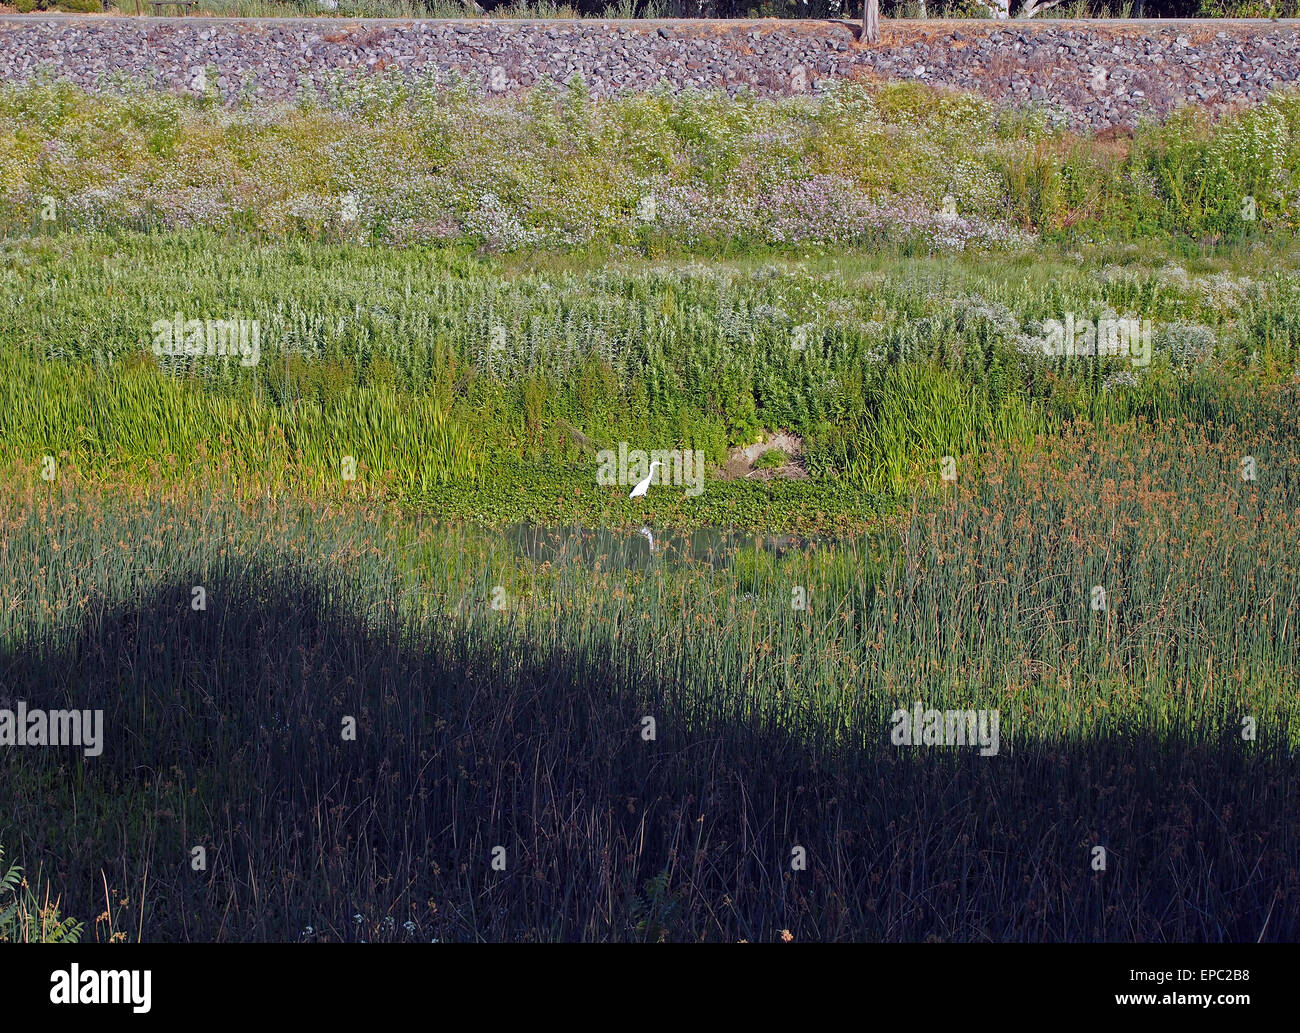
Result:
645,533
643,486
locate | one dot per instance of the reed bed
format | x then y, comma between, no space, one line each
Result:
235,559
430,368
519,724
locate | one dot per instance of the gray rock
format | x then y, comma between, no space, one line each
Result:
1044,62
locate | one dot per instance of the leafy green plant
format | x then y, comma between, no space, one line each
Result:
23,916
656,912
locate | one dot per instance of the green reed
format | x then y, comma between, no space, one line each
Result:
479,677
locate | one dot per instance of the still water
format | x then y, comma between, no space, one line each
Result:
645,547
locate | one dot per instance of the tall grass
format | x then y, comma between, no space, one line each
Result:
519,724
425,366
499,697
143,420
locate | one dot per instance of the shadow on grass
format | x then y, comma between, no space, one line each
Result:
223,729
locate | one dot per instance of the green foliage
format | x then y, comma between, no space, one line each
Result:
428,161
431,367
981,601
143,417
656,913
472,391
72,6
24,918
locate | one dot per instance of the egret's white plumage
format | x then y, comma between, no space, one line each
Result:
644,486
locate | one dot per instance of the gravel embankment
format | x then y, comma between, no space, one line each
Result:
1092,74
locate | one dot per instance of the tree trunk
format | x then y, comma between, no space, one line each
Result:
871,21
